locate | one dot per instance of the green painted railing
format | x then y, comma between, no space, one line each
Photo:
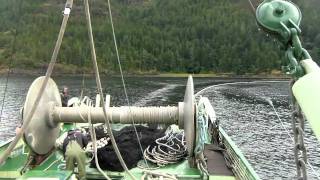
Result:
241,167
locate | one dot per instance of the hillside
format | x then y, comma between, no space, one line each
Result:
217,36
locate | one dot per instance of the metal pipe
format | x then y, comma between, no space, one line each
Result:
124,114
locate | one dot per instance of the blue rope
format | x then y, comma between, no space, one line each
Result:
202,129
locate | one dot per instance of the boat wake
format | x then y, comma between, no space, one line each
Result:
160,95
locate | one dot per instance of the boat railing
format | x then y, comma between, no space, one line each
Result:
234,157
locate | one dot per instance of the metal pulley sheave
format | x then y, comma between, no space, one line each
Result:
277,17
282,19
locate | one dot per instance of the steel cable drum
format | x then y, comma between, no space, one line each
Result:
41,135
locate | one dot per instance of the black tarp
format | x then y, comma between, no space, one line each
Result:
128,145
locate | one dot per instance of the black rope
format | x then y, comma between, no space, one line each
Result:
13,51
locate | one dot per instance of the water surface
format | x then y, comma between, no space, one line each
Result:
241,109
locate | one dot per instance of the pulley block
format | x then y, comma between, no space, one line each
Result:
278,16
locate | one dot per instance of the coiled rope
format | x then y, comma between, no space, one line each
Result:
202,136
170,149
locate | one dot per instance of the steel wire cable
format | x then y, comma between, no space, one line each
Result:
53,60
99,86
287,131
94,142
5,90
12,59
123,81
253,9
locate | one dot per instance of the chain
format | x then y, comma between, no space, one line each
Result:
300,152
287,31
294,54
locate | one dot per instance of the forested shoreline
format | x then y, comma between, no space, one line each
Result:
154,36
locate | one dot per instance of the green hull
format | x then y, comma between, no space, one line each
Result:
52,167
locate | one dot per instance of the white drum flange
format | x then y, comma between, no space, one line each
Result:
41,135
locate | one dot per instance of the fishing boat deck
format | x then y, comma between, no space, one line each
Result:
216,162
53,167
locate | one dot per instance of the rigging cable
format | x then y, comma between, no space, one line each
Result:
5,90
84,54
253,9
123,82
282,124
99,86
94,142
53,60
13,51
82,85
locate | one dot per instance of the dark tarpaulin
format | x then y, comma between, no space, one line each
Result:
129,147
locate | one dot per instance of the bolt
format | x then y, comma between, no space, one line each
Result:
279,11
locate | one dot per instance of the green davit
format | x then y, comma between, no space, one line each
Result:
307,92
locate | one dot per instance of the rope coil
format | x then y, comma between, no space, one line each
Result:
170,149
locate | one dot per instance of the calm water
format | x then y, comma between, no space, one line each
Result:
241,109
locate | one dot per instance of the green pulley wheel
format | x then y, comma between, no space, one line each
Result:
277,16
